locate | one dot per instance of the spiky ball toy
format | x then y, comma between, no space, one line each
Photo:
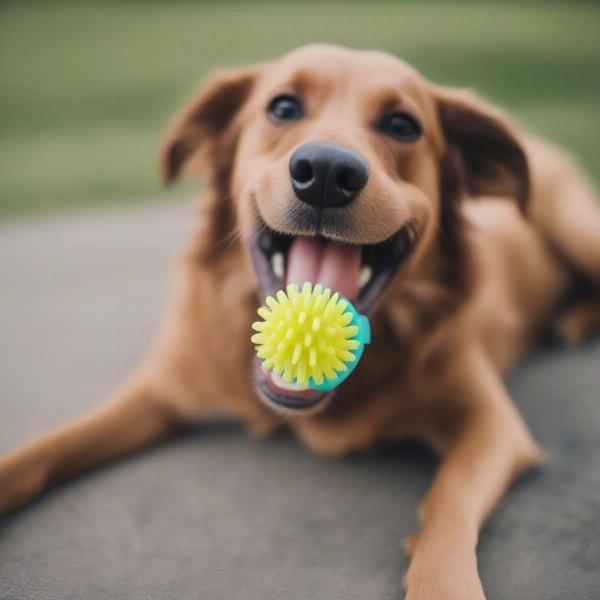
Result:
311,337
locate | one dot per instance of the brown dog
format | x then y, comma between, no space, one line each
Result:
459,234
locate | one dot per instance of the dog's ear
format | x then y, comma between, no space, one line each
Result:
482,151
201,132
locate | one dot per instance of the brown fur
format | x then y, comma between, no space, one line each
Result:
504,223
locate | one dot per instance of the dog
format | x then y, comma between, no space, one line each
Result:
463,238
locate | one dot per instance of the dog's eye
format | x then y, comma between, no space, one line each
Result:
285,108
401,126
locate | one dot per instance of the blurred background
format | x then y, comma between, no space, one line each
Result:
87,88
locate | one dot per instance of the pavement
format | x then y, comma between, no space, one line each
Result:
212,515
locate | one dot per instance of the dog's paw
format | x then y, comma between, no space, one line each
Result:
19,482
449,575
435,589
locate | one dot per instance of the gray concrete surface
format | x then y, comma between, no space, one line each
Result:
212,515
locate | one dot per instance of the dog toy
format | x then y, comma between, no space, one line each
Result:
311,337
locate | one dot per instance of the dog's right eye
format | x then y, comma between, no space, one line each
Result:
285,108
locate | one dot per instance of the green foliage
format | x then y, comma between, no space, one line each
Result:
87,88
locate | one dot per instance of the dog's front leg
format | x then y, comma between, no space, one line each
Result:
486,444
133,418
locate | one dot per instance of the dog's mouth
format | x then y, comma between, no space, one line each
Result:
360,272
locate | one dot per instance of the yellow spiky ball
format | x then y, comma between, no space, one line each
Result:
305,335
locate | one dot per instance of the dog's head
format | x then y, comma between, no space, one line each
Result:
334,166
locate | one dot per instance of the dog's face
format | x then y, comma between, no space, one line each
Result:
337,165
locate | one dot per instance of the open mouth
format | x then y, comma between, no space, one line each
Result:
360,272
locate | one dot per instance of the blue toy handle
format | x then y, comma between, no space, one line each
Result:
363,336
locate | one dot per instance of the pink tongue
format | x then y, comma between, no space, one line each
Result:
332,264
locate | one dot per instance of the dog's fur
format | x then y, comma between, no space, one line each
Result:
506,228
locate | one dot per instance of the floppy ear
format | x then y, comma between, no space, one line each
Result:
482,150
202,130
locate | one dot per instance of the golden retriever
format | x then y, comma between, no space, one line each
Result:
460,235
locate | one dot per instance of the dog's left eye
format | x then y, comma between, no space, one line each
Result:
401,126
285,108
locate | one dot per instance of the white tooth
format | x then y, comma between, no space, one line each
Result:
292,387
365,276
277,264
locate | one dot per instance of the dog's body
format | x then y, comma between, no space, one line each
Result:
483,278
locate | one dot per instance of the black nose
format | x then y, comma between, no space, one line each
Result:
327,175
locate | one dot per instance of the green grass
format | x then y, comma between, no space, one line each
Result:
87,88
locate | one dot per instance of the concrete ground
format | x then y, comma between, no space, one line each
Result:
214,516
